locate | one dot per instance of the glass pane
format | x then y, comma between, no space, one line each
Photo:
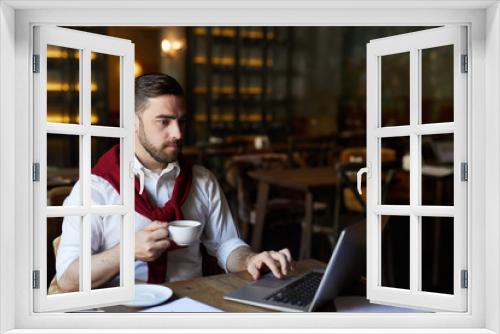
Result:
106,236
63,253
63,161
437,169
99,146
395,190
395,251
437,84
105,74
395,81
437,254
63,83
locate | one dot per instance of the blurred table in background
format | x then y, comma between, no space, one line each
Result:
306,180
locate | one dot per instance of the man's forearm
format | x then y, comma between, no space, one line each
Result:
104,266
238,259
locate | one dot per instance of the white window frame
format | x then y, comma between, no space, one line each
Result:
85,43
413,44
16,21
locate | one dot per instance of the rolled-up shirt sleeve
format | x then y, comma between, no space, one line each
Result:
220,235
69,245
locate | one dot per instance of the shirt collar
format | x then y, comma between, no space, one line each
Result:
171,167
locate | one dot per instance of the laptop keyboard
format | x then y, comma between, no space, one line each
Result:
299,293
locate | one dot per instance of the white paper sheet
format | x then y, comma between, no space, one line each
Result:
185,305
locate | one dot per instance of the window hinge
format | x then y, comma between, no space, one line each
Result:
36,279
36,63
464,171
465,64
464,279
36,172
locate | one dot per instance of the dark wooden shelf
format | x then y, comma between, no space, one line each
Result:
202,72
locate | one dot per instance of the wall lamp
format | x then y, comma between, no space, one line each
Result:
170,48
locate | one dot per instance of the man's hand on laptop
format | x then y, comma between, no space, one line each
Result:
279,263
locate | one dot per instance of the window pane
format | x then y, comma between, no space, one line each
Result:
105,76
437,84
395,82
395,190
63,161
63,85
66,248
99,146
437,170
437,254
106,236
395,251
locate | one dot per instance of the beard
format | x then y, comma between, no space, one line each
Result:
158,153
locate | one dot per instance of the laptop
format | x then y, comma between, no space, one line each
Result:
308,291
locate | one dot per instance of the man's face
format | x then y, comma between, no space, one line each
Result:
159,128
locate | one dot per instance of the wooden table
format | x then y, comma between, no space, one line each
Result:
302,179
210,289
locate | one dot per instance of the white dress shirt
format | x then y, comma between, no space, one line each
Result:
206,203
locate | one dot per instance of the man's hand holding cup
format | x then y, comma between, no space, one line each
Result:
158,236
151,241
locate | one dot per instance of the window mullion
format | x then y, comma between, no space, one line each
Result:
85,112
62,211
415,258
415,158
127,273
85,255
419,129
373,121
405,210
414,120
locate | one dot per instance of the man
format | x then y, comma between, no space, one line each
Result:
173,189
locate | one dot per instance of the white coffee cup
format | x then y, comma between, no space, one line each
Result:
184,232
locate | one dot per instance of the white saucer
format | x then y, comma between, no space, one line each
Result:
149,295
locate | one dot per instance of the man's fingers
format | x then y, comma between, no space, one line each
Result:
288,255
258,265
159,234
154,225
284,264
279,263
269,262
162,244
252,269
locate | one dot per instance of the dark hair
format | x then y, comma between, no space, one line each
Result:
153,85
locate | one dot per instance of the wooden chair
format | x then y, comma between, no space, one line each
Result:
57,195
351,160
350,206
53,287
284,208
236,176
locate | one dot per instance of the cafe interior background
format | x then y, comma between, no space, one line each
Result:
274,98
